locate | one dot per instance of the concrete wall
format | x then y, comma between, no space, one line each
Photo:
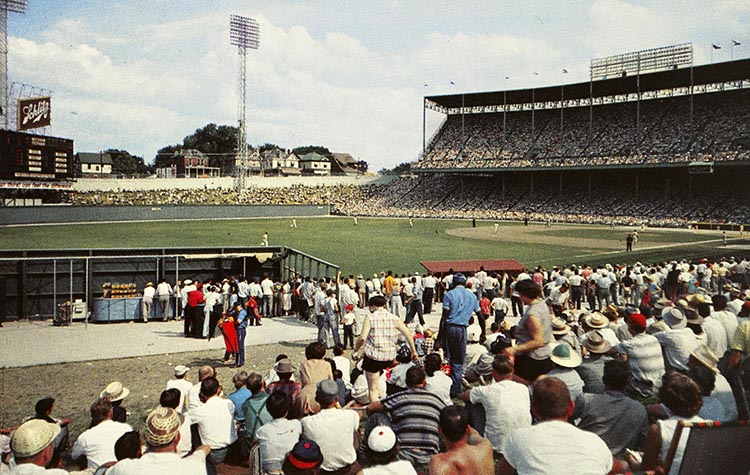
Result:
125,184
82,214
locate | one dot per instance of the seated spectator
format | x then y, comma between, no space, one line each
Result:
97,444
277,437
335,430
621,422
33,447
438,382
43,410
678,342
182,383
284,370
645,360
591,369
381,454
215,421
415,414
465,450
194,399
314,370
273,375
397,380
474,347
343,363
254,409
682,396
506,404
162,436
305,458
566,360
703,356
553,442
712,409
116,393
238,397
170,398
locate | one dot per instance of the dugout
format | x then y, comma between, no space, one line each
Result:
37,281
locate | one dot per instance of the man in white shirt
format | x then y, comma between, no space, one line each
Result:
182,384
164,293
215,420
194,399
334,430
277,438
429,283
147,301
266,287
162,435
97,444
33,445
507,404
553,443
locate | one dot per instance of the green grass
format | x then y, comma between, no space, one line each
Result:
373,245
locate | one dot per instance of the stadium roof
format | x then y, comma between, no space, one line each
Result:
627,84
490,265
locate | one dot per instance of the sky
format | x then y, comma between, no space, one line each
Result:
138,75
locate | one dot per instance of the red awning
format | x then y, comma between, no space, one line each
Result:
490,265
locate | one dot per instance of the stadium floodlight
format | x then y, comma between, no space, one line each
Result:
639,62
244,33
15,6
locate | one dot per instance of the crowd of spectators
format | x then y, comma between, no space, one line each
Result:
604,361
609,134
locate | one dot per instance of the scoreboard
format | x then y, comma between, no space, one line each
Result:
35,157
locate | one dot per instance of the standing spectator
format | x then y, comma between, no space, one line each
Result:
379,336
458,305
349,320
266,286
194,299
465,450
533,334
500,308
147,301
240,325
429,283
331,317
164,293
97,444
414,302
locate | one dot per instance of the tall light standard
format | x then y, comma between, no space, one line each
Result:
17,6
244,33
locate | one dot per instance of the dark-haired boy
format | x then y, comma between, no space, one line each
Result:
277,438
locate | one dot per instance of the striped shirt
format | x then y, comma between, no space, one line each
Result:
646,363
415,414
381,341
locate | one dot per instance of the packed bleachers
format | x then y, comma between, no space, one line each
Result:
665,134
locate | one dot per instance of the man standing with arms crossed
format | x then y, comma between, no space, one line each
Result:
458,305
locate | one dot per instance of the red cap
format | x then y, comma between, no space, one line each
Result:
637,320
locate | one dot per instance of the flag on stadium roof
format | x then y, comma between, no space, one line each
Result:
736,43
565,71
715,46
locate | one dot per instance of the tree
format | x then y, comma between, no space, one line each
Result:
362,166
299,151
219,143
164,156
269,146
123,163
403,168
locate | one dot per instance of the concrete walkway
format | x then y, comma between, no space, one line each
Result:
31,343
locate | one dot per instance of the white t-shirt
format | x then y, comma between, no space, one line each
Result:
266,286
98,443
194,399
440,385
508,407
158,463
333,430
399,467
344,365
276,439
555,446
215,419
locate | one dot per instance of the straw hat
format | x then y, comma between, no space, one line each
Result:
704,355
115,391
162,426
596,320
674,317
596,343
32,437
564,355
559,327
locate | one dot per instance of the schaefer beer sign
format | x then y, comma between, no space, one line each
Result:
33,113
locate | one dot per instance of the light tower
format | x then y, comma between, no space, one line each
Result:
244,33
17,6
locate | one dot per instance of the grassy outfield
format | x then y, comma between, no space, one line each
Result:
380,244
